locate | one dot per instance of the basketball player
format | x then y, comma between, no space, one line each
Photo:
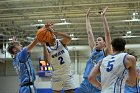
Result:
113,69
99,49
133,89
23,65
57,54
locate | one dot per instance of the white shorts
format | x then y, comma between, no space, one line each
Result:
64,82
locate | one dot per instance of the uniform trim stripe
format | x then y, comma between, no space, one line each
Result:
124,61
115,85
123,75
29,71
27,67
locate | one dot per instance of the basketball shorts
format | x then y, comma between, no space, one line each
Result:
64,82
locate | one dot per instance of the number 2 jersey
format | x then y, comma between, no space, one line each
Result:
113,73
60,59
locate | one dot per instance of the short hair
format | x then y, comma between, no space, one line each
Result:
11,45
118,44
102,37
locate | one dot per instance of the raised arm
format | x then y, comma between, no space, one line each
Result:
93,74
65,38
32,44
91,40
46,53
108,48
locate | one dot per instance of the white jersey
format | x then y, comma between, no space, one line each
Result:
60,59
113,73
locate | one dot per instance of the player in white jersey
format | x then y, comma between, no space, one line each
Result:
60,59
57,54
113,69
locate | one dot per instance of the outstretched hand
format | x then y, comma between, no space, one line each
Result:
103,12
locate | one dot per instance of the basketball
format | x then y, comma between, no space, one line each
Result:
44,34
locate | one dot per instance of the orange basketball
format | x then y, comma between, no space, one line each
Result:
43,34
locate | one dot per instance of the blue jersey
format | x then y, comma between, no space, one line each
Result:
94,58
134,89
24,68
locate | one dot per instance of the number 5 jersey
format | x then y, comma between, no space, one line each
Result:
113,73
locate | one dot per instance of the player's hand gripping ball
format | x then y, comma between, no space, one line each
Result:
45,33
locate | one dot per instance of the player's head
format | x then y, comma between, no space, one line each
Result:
100,42
49,27
118,44
52,40
53,36
14,47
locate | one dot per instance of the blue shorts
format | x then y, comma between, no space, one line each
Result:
129,89
86,87
28,89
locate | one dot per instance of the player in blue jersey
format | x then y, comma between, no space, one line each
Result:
23,65
99,49
114,69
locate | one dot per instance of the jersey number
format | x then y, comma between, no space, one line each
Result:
61,60
110,65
